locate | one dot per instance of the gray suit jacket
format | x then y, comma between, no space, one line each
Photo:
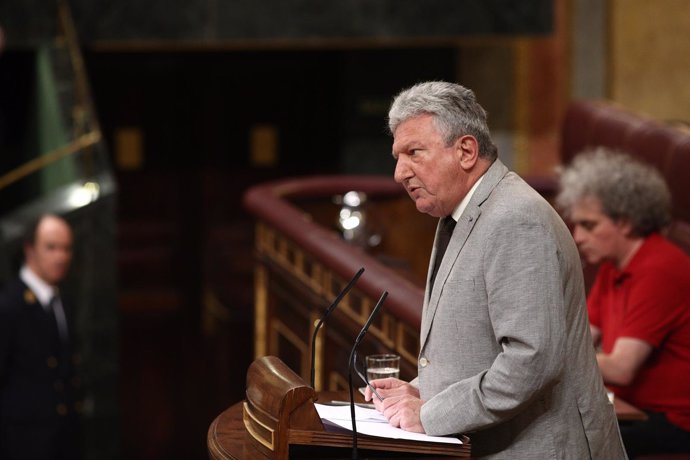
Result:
506,354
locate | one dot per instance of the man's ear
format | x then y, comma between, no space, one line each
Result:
468,149
626,227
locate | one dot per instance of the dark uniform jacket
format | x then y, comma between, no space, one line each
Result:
38,386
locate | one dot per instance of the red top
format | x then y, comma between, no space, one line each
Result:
650,300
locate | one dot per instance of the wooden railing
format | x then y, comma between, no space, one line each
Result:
302,264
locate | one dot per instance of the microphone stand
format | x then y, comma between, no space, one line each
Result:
359,338
325,315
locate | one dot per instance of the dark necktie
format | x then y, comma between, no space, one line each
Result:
58,314
444,234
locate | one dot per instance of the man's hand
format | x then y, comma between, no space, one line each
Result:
401,404
627,357
389,387
404,412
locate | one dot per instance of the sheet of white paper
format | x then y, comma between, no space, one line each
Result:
342,412
371,422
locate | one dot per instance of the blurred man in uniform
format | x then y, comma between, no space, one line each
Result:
38,405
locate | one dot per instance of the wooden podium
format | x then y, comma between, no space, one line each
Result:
279,412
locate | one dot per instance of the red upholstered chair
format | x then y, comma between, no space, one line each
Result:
590,123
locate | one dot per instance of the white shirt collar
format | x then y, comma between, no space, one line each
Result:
457,213
43,291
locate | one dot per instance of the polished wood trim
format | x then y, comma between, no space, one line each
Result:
307,253
260,310
258,430
279,329
271,204
627,412
227,438
293,44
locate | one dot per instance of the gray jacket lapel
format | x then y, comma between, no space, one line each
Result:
462,231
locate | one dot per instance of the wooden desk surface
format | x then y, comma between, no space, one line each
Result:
626,411
227,438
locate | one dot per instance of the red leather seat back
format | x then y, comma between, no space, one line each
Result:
590,124
666,147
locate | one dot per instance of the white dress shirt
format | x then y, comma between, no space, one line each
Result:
44,293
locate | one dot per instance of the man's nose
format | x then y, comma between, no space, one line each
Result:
402,171
578,234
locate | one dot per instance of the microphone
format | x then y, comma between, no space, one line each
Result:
326,314
359,338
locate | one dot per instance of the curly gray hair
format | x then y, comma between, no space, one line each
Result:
626,188
455,109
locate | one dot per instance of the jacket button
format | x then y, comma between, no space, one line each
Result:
52,362
61,409
423,362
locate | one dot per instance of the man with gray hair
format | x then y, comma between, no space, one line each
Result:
505,353
639,305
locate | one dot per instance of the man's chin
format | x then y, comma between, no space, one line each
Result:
424,207
592,260
421,207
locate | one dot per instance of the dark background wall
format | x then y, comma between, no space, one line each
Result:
193,80
29,20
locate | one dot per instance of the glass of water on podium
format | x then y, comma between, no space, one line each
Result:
382,366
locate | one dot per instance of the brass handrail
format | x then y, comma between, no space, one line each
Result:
86,140
83,107
83,90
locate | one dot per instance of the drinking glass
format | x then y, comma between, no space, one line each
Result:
382,366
